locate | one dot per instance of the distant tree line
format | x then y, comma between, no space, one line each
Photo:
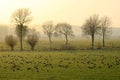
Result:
93,26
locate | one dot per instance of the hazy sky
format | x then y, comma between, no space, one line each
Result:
71,11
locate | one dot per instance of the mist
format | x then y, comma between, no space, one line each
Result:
10,30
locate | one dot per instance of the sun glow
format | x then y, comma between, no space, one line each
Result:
71,11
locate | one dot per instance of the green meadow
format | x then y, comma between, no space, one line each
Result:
77,62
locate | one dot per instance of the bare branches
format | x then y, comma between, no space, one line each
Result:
32,39
48,29
92,27
105,28
11,41
22,16
64,29
105,25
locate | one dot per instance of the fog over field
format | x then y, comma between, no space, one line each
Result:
8,30
74,12
59,40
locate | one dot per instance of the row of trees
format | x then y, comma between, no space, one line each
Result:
61,29
92,26
31,37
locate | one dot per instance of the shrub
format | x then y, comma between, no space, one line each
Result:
32,39
11,41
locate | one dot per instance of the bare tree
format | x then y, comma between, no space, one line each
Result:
92,27
105,28
21,17
32,39
65,30
48,29
11,41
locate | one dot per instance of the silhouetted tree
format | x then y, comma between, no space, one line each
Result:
91,27
105,28
65,30
24,31
32,39
48,29
11,41
21,17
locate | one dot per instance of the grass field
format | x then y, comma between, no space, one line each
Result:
64,65
78,64
58,44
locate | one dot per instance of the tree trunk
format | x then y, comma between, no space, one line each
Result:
103,40
92,41
21,38
12,48
32,48
50,40
66,40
